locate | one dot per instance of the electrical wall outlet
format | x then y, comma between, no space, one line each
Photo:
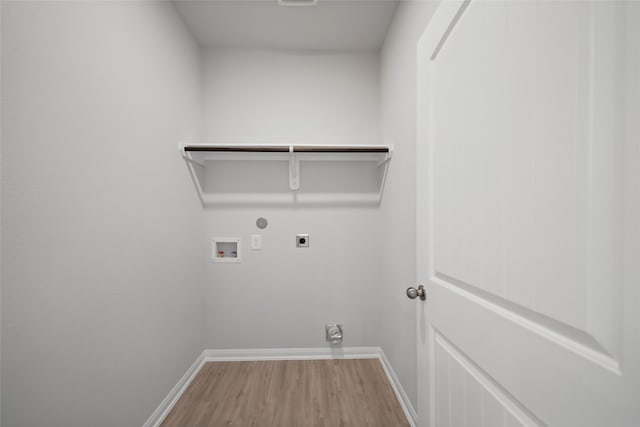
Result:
302,240
256,241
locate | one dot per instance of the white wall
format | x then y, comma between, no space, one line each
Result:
103,252
398,118
102,264
282,296
290,97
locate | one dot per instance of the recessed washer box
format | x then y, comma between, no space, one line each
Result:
225,249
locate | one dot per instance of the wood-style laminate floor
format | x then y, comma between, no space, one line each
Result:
283,393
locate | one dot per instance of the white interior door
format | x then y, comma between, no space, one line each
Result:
529,214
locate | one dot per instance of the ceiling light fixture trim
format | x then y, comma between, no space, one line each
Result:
297,2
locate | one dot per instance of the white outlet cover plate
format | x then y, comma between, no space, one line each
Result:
256,241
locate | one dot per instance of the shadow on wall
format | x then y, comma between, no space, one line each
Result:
254,182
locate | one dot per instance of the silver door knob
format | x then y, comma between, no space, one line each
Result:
413,293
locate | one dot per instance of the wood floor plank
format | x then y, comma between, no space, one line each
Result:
282,393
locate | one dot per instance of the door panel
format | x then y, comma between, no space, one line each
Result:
542,202
523,218
465,393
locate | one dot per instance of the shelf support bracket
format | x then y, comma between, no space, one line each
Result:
294,170
387,158
187,156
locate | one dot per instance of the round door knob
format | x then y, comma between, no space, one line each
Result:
413,293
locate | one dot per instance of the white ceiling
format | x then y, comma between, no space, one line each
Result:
344,25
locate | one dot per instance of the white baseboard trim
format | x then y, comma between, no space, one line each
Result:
405,403
292,354
282,354
167,404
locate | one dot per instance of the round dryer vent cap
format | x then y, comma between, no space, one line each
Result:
262,223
